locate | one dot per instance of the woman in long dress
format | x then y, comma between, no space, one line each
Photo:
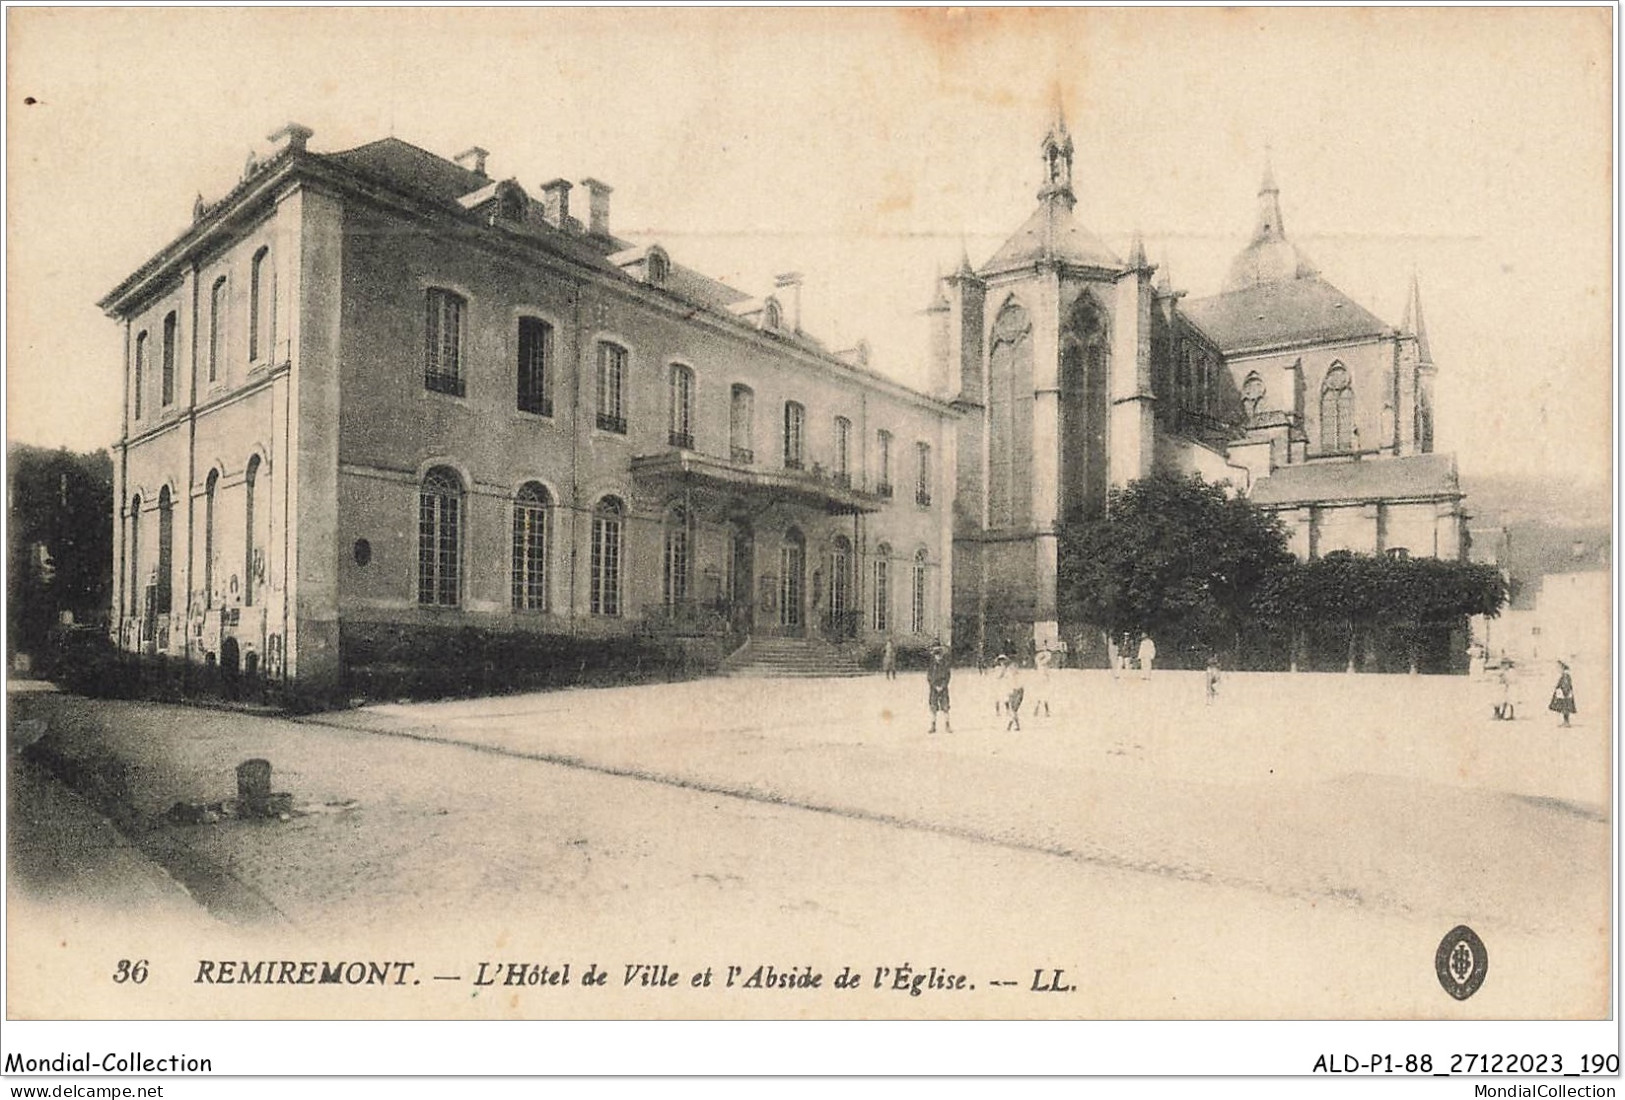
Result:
1563,695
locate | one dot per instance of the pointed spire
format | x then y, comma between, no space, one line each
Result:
939,294
1415,324
1136,253
964,259
1057,150
1269,227
1165,281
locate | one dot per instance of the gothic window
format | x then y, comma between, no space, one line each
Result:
742,424
674,588
883,462
1252,395
612,388
1336,411
440,508
682,407
443,342
169,360
918,623
882,608
795,442
1009,415
535,373
140,373
256,308
608,525
217,328
530,515
250,477
843,450
166,551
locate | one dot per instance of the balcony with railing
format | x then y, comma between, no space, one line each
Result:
742,456
610,423
683,441
922,497
842,478
883,489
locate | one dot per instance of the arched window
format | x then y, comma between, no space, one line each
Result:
141,372
440,508
166,551
1010,422
217,327
882,615
1252,395
258,345
608,525
530,515
922,478
883,462
135,556
535,374
840,576
795,442
443,342
249,478
209,491
843,450
742,424
611,388
674,587
169,360
917,625
772,315
682,407
1337,411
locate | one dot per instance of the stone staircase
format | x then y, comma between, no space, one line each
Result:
762,656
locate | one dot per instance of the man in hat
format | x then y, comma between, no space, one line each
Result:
937,674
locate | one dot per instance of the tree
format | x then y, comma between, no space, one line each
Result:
60,537
1174,557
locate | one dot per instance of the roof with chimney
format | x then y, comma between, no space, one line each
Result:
1356,481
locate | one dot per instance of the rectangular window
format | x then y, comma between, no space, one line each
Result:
742,425
843,448
882,594
794,435
443,343
612,388
140,373
217,329
883,463
606,565
922,480
676,586
682,408
535,366
918,625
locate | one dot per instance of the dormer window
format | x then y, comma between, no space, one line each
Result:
658,267
772,315
511,203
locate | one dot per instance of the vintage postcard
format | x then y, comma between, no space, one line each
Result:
850,514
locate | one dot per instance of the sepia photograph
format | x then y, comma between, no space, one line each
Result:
1093,516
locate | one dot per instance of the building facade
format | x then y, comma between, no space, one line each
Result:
1076,371
376,392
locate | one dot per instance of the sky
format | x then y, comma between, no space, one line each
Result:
866,148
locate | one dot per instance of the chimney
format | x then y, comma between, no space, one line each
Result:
792,280
473,159
556,202
291,138
598,206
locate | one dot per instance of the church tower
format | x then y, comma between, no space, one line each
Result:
1051,337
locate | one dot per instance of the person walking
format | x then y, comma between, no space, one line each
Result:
888,660
1043,661
1563,695
1010,683
1212,678
937,674
1148,655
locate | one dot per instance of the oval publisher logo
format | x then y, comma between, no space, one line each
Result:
1461,962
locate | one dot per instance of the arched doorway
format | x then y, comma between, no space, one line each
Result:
792,582
740,584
